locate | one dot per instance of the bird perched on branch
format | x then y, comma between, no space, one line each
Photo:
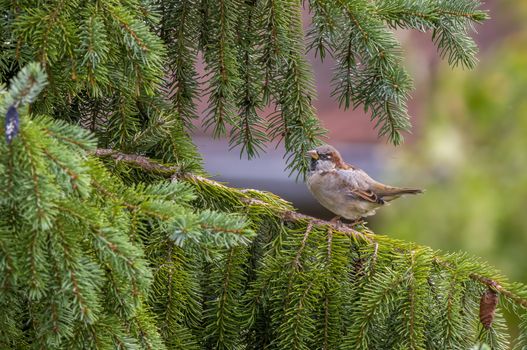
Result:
346,190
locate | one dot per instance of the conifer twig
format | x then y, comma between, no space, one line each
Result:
490,283
496,286
302,245
148,164
137,160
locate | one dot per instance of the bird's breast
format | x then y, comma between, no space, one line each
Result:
329,189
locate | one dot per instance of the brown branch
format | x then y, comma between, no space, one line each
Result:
126,27
490,283
374,258
494,285
471,16
330,243
296,217
142,162
174,172
222,229
296,262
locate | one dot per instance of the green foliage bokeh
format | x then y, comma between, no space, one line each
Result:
472,160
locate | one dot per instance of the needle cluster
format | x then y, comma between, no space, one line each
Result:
112,236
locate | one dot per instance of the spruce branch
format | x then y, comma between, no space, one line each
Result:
106,58
496,286
179,29
137,249
489,283
174,172
222,67
27,85
522,341
249,134
296,261
369,70
142,162
287,214
323,29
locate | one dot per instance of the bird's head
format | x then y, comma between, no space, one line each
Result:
325,158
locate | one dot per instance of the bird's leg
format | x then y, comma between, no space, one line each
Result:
336,221
359,221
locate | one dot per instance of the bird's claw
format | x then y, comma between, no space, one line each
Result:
358,222
336,221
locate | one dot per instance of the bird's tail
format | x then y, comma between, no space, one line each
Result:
409,191
392,193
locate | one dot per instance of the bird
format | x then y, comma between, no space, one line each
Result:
346,190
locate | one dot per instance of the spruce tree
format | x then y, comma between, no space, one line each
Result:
113,237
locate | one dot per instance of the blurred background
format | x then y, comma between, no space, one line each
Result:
468,148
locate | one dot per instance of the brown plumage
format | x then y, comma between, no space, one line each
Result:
345,189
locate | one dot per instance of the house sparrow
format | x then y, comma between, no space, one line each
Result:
345,189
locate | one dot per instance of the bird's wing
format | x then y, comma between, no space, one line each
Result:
386,193
367,195
359,184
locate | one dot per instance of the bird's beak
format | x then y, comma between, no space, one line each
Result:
313,154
